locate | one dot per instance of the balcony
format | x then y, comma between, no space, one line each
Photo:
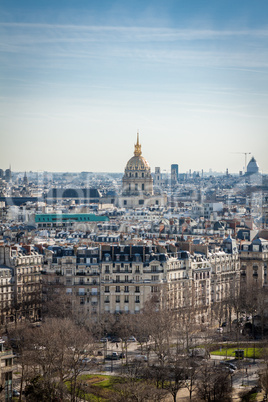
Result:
8,353
7,369
115,271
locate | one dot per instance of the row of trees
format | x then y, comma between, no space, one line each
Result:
53,356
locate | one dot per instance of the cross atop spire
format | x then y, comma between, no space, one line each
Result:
137,151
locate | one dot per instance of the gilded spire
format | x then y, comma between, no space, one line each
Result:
137,151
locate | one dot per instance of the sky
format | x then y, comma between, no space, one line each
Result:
79,78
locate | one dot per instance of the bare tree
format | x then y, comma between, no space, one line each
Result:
214,385
52,355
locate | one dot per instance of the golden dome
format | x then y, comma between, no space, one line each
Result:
137,163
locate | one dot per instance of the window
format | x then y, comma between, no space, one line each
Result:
136,187
117,299
107,269
125,202
154,268
137,269
117,289
126,278
142,186
137,299
107,289
137,289
126,299
117,278
126,289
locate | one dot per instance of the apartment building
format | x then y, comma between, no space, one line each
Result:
130,274
6,295
26,264
254,260
119,278
6,372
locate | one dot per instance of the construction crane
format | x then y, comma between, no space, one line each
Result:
244,153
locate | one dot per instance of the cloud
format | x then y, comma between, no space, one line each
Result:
185,47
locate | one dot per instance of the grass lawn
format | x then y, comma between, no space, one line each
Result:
97,387
248,352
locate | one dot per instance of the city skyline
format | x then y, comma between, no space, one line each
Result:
78,80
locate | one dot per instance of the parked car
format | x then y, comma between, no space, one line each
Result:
103,340
15,393
227,368
116,339
113,356
220,330
86,360
140,358
132,339
228,364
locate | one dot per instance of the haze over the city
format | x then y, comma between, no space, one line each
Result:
78,79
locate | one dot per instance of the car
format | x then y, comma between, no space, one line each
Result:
103,340
86,360
140,358
112,356
116,339
122,355
230,365
132,339
16,393
220,330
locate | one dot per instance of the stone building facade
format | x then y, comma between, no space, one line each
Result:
254,261
120,278
26,264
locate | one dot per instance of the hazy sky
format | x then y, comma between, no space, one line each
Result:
78,78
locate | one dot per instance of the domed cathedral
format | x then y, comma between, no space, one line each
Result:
137,179
137,183
252,167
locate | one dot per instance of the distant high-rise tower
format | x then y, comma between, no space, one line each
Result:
25,180
157,177
8,174
174,174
